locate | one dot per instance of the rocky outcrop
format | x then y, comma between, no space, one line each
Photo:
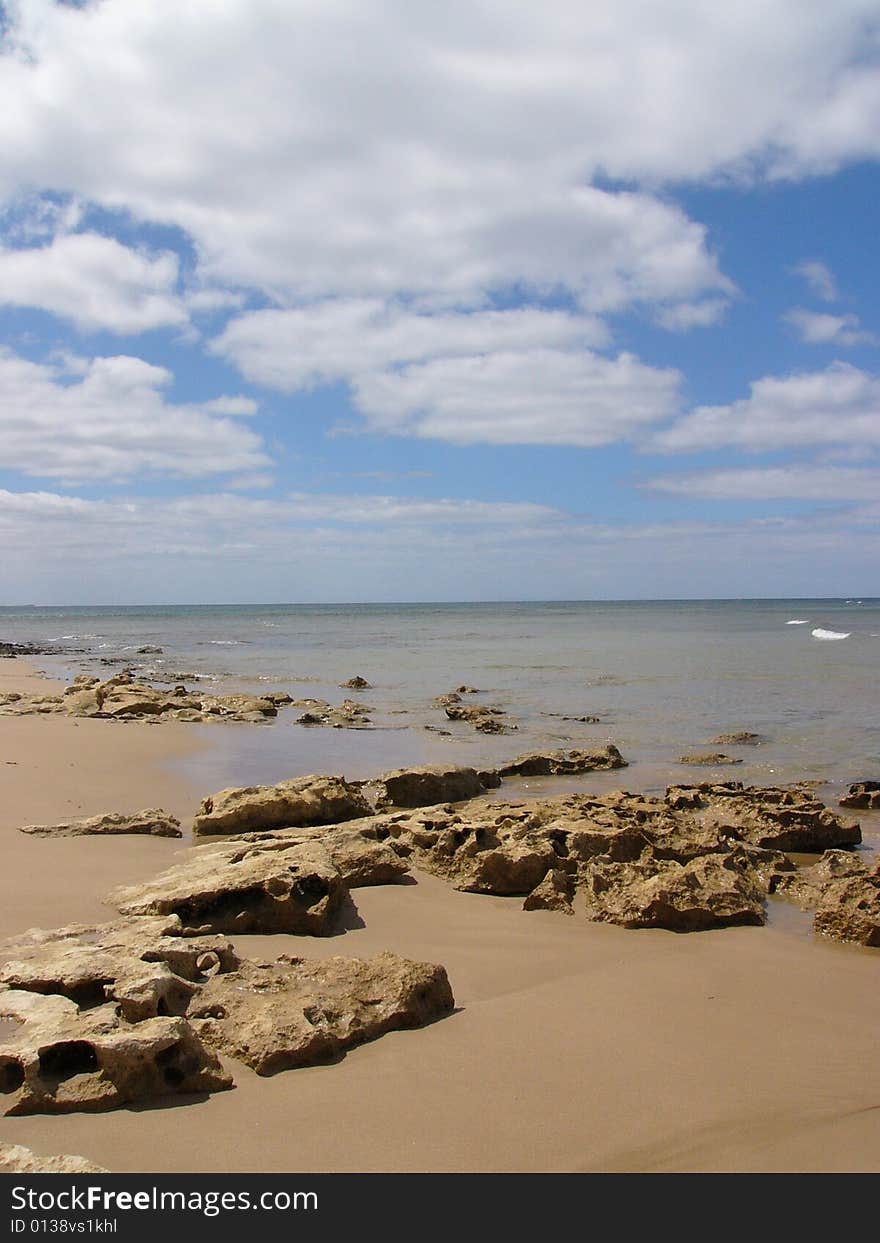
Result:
806,887
708,758
153,822
849,910
552,763
121,698
347,715
483,717
427,785
14,1159
293,1012
555,893
62,1059
768,816
300,801
863,795
713,891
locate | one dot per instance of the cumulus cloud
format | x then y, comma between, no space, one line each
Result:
95,282
107,419
819,278
837,406
818,328
797,481
444,153
530,396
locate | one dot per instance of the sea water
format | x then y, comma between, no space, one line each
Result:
663,677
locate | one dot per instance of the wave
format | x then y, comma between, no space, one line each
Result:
798,621
830,634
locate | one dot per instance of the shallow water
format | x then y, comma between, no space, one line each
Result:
663,677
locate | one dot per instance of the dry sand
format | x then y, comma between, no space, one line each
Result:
575,1046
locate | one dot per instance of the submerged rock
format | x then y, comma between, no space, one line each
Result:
714,757
293,1012
153,822
300,801
357,683
551,763
743,738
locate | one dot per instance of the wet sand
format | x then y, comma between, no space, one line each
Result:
574,1047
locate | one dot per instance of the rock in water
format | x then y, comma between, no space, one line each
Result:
293,1012
772,817
863,795
551,763
153,821
743,738
357,683
713,757
849,910
301,801
17,1160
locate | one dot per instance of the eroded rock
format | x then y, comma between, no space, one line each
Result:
426,785
152,821
14,1159
294,1012
708,758
742,738
863,795
849,910
773,817
300,801
357,683
551,763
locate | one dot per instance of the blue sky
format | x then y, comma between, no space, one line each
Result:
337,300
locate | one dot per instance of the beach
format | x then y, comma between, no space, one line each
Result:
573,1046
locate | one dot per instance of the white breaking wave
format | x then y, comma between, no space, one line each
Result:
798,621
830,634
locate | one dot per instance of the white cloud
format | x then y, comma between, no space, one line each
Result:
817,328
95,282
837,406
113,423
819,278
797,481
341,339
682,316
528,396
444,151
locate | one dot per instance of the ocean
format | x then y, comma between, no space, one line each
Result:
664,678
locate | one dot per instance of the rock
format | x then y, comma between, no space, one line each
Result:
359,850
357,683
66,1060
427,785
713,891
347,715
466,690
251,887
849,910
153,822
807,886
149,650
713,757
554,893
492,725
772,817
300,801
864,795
293,1012
476,712
446,701
17,1160
122,698
542,764
145,965
741,739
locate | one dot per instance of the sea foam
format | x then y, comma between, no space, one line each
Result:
798,621
830,634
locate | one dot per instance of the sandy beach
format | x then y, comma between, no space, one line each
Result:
574,1046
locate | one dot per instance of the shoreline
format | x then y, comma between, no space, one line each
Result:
574,1046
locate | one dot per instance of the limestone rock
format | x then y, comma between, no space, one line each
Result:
493,725
273,887
294,1012
359,850
347,715
554,893
709,758
743,738
713,891
772,817
427,785
863,795
806,887
145,965
64,1060
357,683
542,764
301,801
14,1159
153,822
849,909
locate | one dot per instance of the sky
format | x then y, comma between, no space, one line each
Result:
350,300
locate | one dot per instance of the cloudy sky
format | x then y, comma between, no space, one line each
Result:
400,299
